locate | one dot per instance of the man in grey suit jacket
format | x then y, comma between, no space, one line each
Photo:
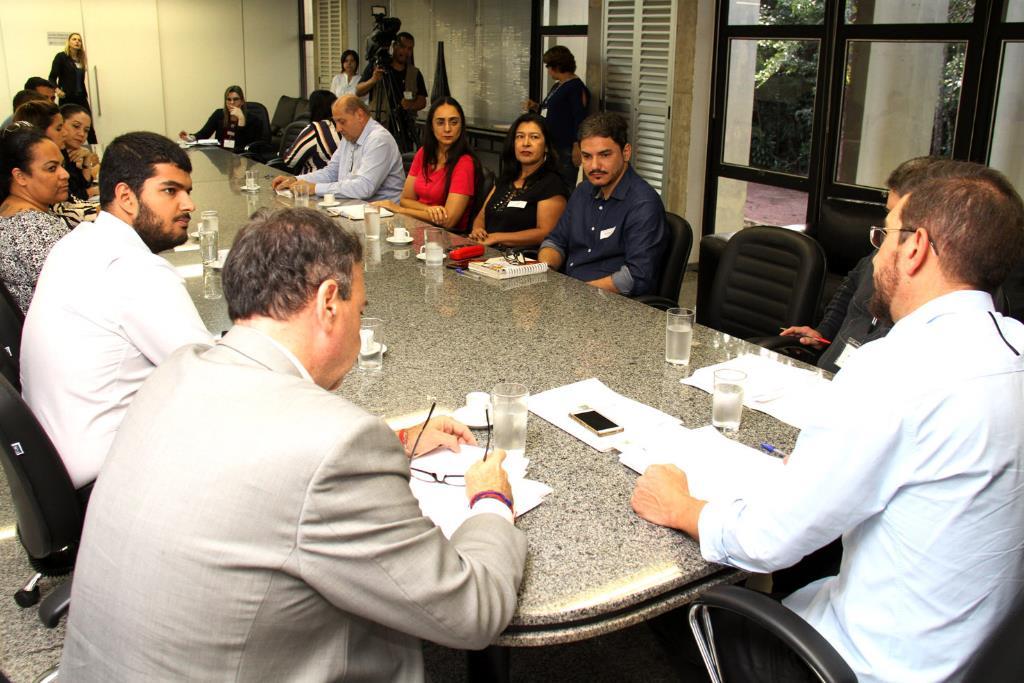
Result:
249,524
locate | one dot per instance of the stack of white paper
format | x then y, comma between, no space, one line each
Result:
786,393
634,417
447,505
717,468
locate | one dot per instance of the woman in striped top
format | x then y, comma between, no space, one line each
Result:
317,142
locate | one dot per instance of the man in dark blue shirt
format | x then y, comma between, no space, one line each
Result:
612,234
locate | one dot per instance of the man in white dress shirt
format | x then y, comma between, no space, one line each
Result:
916,456
107,308
367,164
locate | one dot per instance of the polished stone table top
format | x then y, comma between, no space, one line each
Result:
593,566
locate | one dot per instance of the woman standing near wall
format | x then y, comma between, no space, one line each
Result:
68,75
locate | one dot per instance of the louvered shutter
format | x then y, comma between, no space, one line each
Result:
329,38
638,55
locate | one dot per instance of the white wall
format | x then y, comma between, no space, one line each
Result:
192,49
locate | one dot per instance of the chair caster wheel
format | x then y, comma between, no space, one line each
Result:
27,598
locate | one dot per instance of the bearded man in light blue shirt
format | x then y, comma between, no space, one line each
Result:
916,455
367,164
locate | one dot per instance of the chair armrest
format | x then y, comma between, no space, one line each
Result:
55,605
789,346
655,301
785,625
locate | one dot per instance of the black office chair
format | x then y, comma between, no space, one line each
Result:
768,278
261,149
288,136
484,184
407,158
772,616
673,268
48,510
11,322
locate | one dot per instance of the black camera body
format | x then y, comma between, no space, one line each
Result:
378,43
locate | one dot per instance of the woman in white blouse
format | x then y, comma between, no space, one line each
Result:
345,82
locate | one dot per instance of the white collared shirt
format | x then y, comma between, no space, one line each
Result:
917,459
105,313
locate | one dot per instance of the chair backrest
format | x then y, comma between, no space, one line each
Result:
999,657
287,110
257,109
768,278
288,135
46,505
407,158
677,255
484,184
11,322
842,231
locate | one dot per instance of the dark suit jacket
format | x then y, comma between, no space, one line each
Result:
63,74
250,525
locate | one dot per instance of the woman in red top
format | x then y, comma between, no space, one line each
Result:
442,180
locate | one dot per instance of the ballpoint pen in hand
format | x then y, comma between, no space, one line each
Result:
487,416
412,453
772,450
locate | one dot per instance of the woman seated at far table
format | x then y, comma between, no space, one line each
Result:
232,127
530,195
444,174
316,144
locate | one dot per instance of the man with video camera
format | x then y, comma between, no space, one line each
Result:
403,92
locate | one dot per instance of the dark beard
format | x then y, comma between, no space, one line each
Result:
150,229
880,304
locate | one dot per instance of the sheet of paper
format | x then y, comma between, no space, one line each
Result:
448,507
716,467
634,417
355,211
786,393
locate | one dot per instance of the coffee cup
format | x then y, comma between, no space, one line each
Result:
328,198
401,233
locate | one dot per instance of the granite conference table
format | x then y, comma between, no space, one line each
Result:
593,566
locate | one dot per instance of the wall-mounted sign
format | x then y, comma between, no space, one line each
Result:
57,38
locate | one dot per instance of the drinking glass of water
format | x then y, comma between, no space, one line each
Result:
371,344
508,413
727,399
678,335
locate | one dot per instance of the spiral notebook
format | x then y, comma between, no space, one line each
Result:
500,269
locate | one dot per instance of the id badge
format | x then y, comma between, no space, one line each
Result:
229,143
851,346
517,204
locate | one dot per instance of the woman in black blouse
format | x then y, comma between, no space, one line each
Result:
233,127
530,196
68,74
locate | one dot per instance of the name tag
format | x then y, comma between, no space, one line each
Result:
229,143
851,346
544,112
605,234
517,204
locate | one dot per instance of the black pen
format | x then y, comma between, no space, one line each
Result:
487,416
412,453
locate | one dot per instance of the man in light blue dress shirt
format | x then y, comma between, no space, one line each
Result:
367,164
915,456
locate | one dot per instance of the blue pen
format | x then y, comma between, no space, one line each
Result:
773,451
466,273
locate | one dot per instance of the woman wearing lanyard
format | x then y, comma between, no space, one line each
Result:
530,196
231,126
565,107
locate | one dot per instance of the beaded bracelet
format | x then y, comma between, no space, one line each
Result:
495,495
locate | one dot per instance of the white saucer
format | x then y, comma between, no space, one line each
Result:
385,350
325,205
470,418
250,189
399,240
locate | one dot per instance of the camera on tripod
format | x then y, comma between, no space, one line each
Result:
383,33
